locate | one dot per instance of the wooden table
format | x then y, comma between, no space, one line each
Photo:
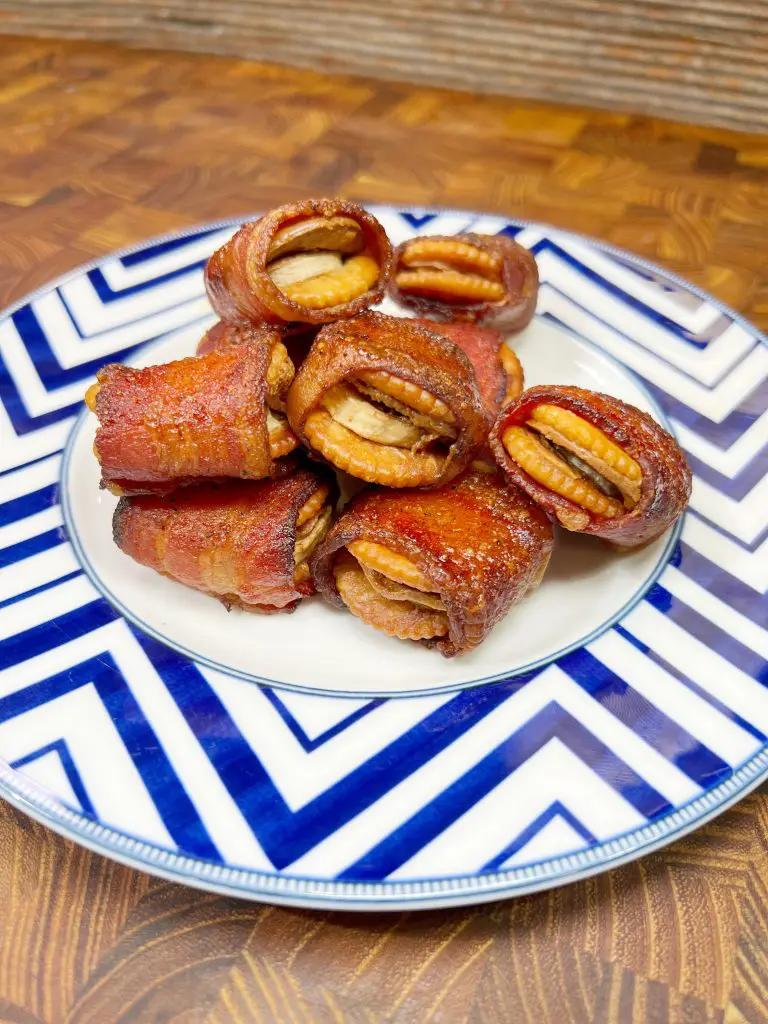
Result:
101,147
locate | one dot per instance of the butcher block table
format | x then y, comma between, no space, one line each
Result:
102,147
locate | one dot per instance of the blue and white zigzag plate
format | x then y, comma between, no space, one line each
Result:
306,760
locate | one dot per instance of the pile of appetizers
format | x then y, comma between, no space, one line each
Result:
229,464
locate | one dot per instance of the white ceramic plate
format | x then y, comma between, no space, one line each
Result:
305,758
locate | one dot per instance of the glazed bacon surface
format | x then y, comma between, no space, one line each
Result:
500,377
442,566
280,368
594,463
212,416
310,262
482,279
244,542
388,402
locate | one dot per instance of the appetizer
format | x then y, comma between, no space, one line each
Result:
388,401
215,415
309,262
482,279
244,542
594,463
441,567
208,454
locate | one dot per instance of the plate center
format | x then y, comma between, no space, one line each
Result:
318,648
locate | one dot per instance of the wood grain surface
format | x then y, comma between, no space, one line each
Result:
102,147
699,60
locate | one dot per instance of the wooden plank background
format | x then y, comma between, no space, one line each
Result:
695,60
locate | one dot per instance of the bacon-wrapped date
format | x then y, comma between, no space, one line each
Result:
211,416
442,567
482,279
244,542
310,262
594,463
388,402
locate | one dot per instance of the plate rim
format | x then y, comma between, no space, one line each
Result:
33,800
413,894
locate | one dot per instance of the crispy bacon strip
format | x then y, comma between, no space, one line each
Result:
441,566
224,333
280,370
233,332
497,368
594,463
245,542
249,277
388,401
482,279
201,417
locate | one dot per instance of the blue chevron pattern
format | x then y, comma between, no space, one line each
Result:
655,713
